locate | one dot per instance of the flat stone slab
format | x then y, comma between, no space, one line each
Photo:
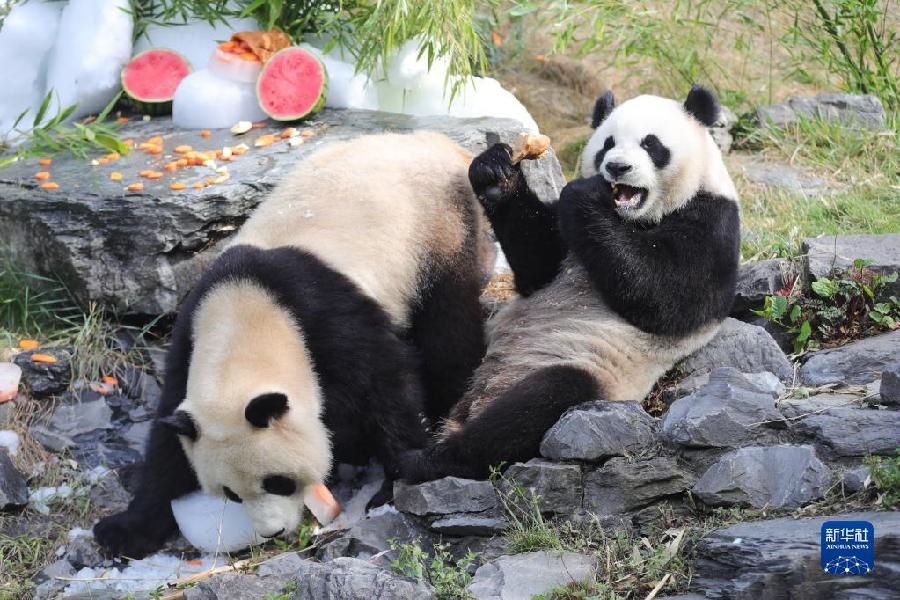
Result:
141,252
622,485
598,430
784,177
780,558
747,348
853,431
529,574
765,476
556,485
447,496
852,110
856,363
822,254
355,579
756,280
13,489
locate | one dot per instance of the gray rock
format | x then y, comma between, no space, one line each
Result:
50,586
557,485
765,476
764,381
529,574
780,558
136,435
354,579
828,252
793,408
855,431
464,524
747,348
45,379
109,495
621,485
727,412
890,384
13,489
7,409
146,250
82,551
373,535
721,129
447,496
236,586
783,176
70,420
856,479
852,110
756,280
857,362
598,430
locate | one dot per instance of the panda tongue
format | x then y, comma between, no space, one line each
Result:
625,194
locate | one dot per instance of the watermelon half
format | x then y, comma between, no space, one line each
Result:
151,78
292,85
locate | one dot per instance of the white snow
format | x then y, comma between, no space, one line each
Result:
214,524
140,575
195,40
9,439
205,101
92,45
39,499
26,39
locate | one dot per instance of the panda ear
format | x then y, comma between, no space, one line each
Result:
702,105
602,108
182,423
266,407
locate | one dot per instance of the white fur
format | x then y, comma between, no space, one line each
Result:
695,163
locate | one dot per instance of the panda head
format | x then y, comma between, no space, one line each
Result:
250,424
656,153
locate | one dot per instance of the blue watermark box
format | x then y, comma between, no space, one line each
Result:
848,547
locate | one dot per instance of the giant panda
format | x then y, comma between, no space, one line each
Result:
633,268
347,300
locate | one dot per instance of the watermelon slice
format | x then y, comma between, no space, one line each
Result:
292,85
151,78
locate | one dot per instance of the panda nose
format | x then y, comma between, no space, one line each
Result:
617,169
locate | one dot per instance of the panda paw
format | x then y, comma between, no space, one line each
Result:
415,466
493,175
131,534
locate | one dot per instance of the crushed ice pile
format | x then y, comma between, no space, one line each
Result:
78,49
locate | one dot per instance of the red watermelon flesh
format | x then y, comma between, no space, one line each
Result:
292,84
153,75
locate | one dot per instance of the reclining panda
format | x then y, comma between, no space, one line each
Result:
345,306
632,269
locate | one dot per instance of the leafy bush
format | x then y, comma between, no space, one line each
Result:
843,306
449,577
885,473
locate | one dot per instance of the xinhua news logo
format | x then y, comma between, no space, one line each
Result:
848,547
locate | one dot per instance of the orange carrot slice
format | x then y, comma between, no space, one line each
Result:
264,140
321,503
122,120
110,380
43,358
50,185
205,133
116,176
197,185
135,187
178,186
42,175
183,149
29,344
156,140
45,162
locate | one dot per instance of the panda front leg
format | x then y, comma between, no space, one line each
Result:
148,522
526,228
509,429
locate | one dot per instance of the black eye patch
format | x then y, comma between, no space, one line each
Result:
279,485
658,153
608,145
231,495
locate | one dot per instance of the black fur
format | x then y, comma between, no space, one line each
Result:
657,151
604,105
266,408
182,424
702,105
671,278
368,374
608,144
509,430
280,485
526,228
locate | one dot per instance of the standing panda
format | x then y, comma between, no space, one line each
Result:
631,270
307,341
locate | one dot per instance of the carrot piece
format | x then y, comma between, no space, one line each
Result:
227,46
122,120
135,187
29,344
115,176
128,142
249,57
210,180
109,380
154,175
264,140
289,132
42,175
205,133
156,140
178,186
183,149
171,167
258,125
155,150
45,162
145,146
113,156
198,185
307,133
182,162
194,562
43,358
50,185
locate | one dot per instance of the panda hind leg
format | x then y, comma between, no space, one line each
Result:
509,429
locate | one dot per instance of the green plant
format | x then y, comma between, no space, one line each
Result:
50,135
843,306
527,529
449,577
286,590
854,39
885,473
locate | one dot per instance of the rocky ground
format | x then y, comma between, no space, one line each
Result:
715,487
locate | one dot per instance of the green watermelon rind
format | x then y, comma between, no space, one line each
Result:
151,107
323,92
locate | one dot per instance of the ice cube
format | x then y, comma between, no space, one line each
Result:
205,101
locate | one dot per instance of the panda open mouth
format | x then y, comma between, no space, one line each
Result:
627,196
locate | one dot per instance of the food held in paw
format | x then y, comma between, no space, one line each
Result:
530,146
321,503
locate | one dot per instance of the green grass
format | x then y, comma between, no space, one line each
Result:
885,472
20,556
449,577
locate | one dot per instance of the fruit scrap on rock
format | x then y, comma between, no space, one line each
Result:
264,140
241,127
42,175
135,187
27,344
50,185
262,44
43,358
529,146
